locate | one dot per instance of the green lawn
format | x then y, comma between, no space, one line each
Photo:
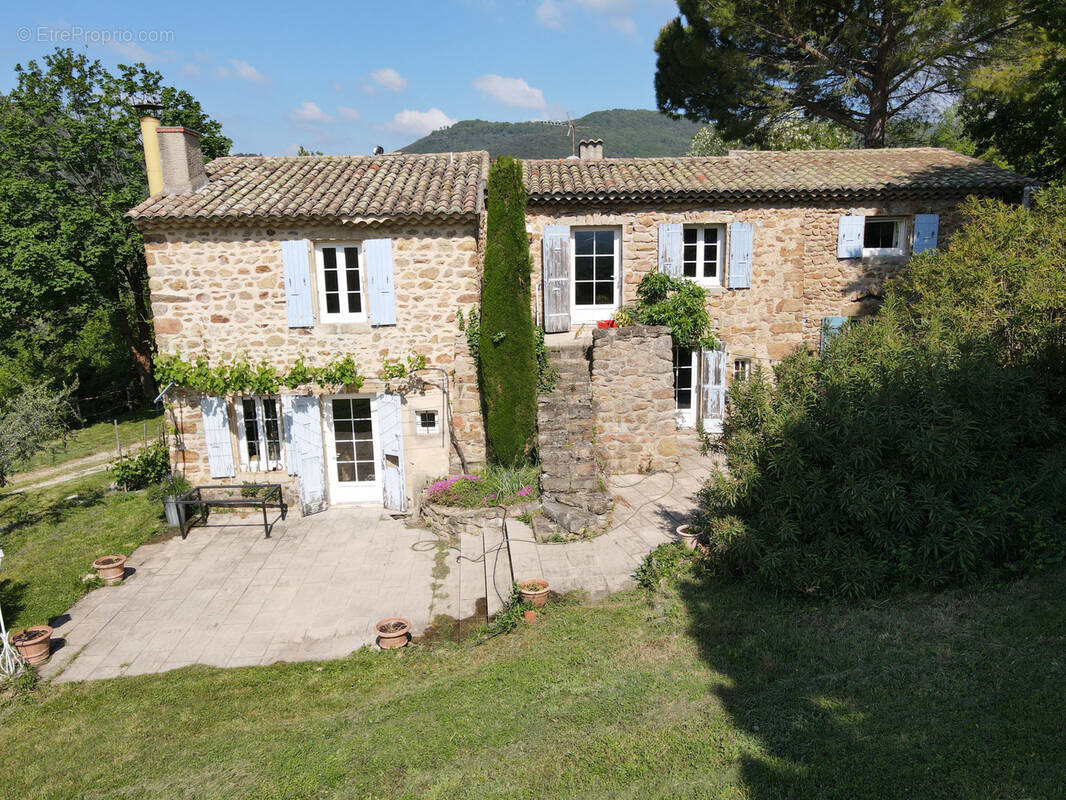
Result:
97,438
50,542
707,692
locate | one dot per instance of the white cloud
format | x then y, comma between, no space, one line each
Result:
389,79
419,123
623,25
242,70
292,149
550,14
348,113
309,112
510,91
133,51
190,69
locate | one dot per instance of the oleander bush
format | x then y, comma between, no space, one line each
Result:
925,446
142,468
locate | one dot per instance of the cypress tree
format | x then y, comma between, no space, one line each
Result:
508,365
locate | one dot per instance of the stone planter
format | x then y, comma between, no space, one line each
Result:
687,535
533,590
393,632
34,644
110,569
454,521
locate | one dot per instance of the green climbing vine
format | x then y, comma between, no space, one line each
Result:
470,324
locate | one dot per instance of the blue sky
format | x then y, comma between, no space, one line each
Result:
343,77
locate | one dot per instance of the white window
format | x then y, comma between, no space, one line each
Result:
741,368
596,272
259,434
883,236
426,423
701,255
340,283
686,386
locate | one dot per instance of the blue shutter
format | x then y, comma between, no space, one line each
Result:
713,386
555,267
390,430
296,262
830,327
926,230
670,238
307,457
217,435
741,246
381,287
850,234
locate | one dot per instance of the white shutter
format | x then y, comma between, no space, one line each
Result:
380,283
741,247
295,259
217,435
555,265
291,457
308,455
850,234
713,389
926,231
390,431
670,239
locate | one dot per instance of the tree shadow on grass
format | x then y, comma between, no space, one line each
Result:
12,595
960,694
21,511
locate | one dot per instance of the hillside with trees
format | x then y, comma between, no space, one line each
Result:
626,132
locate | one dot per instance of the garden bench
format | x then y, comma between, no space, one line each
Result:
252,495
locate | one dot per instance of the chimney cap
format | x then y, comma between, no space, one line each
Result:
378,150
177,129
146,104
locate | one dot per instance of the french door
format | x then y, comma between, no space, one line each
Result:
352,449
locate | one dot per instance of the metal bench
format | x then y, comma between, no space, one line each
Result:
200,499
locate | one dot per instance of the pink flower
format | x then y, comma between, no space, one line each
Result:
524,491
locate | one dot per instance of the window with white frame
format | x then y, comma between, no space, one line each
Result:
883,236
259,434
340,283
741,368
701,254
596,265
686,386
426,423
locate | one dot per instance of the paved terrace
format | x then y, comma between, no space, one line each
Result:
228,597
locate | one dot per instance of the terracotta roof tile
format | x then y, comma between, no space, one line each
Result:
319,187
749,175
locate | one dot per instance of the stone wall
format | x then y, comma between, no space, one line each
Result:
796,277
219,291
633,395
451,522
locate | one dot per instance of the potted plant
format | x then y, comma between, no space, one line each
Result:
34,644
688,536
533,590
168,492
110,569
393,632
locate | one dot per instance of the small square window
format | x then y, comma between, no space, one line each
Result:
882,237
427,422
741,369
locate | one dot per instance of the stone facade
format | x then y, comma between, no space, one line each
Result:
219,291
796,276
633,396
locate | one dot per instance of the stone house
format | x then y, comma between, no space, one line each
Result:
274,259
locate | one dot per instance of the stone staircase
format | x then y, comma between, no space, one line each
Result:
574,492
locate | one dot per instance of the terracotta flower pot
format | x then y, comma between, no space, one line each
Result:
110,569
687,536
534,590
529,615
393,632
34,644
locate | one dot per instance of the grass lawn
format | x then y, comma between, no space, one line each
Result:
49,542
706,692
97,438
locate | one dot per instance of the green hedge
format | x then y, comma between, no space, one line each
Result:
507,355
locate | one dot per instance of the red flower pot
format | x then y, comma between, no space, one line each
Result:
606,323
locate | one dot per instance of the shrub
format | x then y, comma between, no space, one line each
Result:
675,302
492,487
143,468
508,365
668,563
924,447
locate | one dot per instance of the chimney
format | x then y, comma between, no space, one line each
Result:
150,143
590,148
181,161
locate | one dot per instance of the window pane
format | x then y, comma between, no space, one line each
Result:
342,409
361,428
583,243
333,303
251,428
683,378
329,257
881,234
710,258
364,450
583,294
351,278
583,268
355,302
345,471
690,235
604,242
604,268
365,470
345,451
604,293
